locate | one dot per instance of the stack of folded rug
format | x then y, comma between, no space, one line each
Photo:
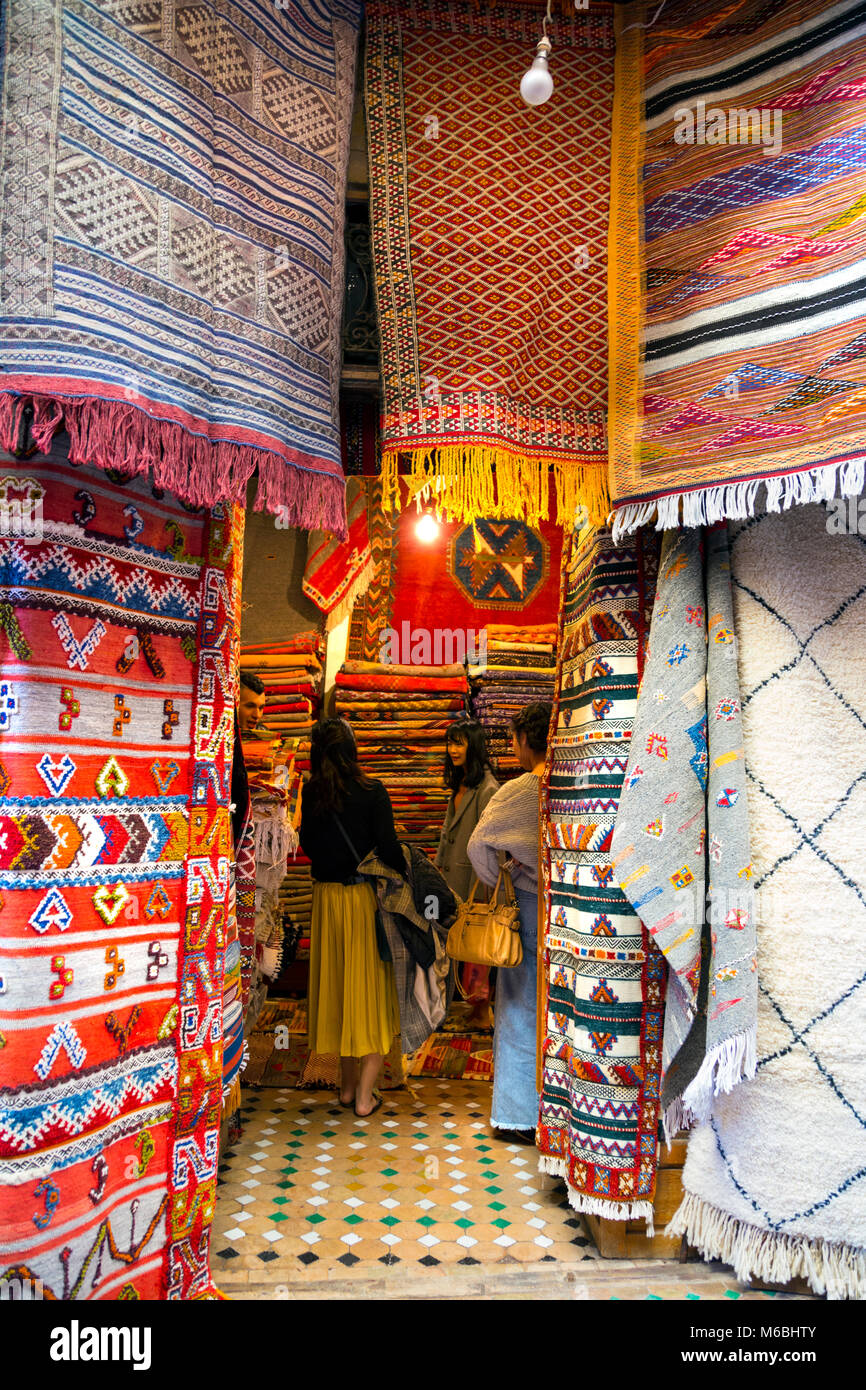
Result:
400,715
520,669
293,676
292,672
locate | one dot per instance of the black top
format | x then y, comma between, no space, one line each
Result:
368,821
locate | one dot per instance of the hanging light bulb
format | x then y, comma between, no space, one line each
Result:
426,529
536,84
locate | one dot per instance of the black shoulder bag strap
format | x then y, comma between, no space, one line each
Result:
382,944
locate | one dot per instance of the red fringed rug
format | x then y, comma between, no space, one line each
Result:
493,321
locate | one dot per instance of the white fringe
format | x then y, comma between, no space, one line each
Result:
597,1206
675,1119
832,1268
733,1061
736,501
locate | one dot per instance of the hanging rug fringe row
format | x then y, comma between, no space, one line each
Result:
835,1269
465,483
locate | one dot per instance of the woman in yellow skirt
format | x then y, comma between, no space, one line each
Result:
353,1008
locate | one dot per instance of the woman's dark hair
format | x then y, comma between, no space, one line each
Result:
534,721
470,732
333,765
253,683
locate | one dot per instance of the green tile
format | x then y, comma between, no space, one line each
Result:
494,1191
654,1298
315,1218
451,1136
328,1133
496,1206
464,1223
483,1148
486,1160
279,1216
693,1295
288,1171
280,1201
426,1221
390,1221
299,1133
354,1219
389,1172
732,1293
501,1223
285,1182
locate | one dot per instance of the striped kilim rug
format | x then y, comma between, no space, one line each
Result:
117,630
172,233
744,204
493,324
602,977
775,1181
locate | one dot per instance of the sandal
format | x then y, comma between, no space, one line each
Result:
376,1107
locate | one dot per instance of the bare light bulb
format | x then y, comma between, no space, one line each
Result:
536,84
427,530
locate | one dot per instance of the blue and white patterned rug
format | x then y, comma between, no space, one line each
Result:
776,1180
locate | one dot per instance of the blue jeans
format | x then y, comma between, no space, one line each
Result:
515,1099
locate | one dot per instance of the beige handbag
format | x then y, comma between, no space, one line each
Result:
488,933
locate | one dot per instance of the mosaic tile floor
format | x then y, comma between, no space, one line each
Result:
311,1193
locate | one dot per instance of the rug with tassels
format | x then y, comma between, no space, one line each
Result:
602,978
738,164
172,231
775,1181
489,226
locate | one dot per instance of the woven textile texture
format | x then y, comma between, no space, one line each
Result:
172,228
117,633
604,977
774,1181
681,842
338,572
468,577
738,368
492,327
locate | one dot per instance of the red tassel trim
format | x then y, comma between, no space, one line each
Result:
201,472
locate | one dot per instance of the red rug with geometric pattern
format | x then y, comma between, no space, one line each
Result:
117,632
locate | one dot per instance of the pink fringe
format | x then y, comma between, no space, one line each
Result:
202,472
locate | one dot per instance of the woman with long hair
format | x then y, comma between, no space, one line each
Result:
353,1007
471,785
510,826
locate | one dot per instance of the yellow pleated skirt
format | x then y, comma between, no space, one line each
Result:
352,1006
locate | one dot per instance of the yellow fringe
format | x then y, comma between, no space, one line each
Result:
626,289
465,482
231,1102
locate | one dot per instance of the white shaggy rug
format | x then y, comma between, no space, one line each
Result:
776,1180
